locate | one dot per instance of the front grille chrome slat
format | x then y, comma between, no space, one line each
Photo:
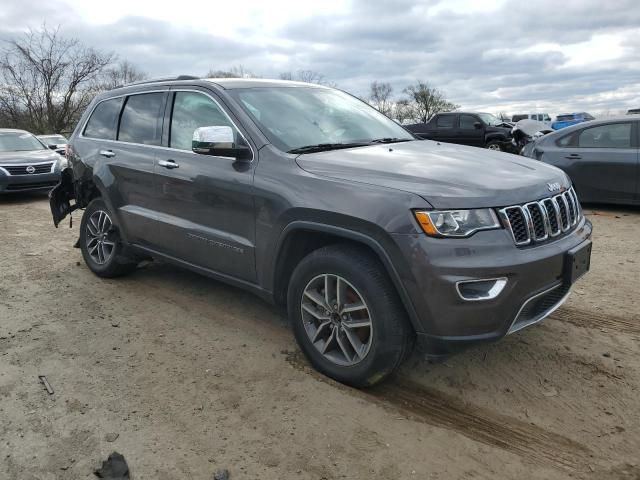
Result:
538,221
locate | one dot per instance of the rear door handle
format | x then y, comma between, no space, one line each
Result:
168,164
107,153
573,156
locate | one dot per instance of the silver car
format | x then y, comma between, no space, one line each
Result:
26,164
601,157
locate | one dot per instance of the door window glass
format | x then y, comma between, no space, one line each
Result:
104,119
445,121
615,135
467,122
141,120
193,110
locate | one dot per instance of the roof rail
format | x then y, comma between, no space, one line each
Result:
162,79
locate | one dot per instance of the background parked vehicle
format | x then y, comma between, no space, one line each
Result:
55,142
600,156
633,111
526,131
466,128
26,164
539,117
567,119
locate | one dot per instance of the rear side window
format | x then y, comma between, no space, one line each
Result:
445,121
141,120
104,120
193,110
615,135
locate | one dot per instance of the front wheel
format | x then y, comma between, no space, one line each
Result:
494,146
347,317
100,242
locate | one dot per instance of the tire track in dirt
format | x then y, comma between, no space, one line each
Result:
420,404
595,320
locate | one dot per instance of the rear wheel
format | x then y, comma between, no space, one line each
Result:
100,242
347,317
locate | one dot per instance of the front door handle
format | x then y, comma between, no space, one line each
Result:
168,164
573,156
107,153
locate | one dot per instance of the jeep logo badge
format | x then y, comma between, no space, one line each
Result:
30,169
553,186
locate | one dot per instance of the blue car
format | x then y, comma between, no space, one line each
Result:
568,119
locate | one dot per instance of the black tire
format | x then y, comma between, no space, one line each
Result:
117,263
494,145
392,336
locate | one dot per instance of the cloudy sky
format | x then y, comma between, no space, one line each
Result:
493,55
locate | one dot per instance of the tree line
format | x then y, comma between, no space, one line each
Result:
47,80
420,101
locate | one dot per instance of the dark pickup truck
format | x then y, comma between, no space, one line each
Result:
466,128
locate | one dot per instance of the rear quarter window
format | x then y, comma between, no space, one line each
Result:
104,120
445,121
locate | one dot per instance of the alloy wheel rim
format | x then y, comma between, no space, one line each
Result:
336,319
100,233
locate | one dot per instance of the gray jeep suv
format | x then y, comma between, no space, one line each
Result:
312,199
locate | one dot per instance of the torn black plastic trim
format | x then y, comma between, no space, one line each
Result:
60,197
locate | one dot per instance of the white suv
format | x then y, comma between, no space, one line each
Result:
540,117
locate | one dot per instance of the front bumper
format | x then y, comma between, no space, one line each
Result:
28,183
534,284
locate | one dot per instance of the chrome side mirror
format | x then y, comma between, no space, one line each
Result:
218,141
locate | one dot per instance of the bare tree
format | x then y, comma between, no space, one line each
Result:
403,110
380,96
307,76
46,80
238,71
427,101
122,74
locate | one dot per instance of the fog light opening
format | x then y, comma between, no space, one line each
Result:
479,290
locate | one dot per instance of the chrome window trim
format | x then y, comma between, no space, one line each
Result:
52,170
162,147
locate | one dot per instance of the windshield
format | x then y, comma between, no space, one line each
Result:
564,118
295,117
19,142
490,119
51,139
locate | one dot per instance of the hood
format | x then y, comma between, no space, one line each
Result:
32,156
446,175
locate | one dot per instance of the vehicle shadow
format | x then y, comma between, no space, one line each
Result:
21,198
608,209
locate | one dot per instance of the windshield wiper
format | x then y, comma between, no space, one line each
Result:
321,147
390,140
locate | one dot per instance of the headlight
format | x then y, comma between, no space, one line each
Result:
63,162
456,223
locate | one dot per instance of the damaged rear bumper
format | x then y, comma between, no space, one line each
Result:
61,196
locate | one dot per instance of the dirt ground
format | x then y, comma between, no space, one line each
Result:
191,376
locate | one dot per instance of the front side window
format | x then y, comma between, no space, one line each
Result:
19,142
104,120
615,135
295,117
490,119
193,110
445,121
141,120
467,122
